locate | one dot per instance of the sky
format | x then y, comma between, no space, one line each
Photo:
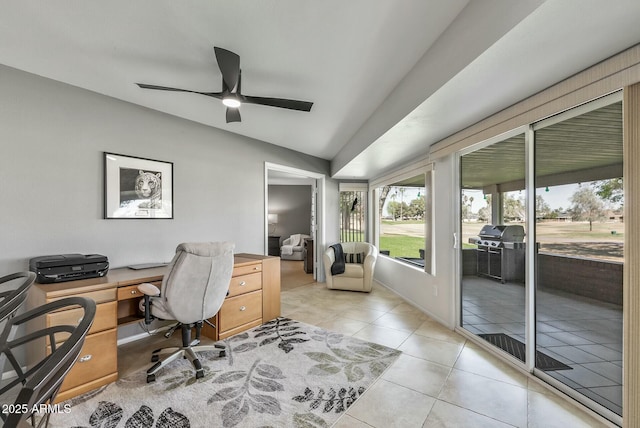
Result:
556,197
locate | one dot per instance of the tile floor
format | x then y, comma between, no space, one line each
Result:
440,380
583,333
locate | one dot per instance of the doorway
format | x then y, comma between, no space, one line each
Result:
294,218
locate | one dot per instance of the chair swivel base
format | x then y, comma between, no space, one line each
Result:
182,352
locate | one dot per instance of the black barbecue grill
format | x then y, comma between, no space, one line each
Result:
501,252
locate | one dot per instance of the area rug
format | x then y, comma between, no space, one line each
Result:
517,349
281,374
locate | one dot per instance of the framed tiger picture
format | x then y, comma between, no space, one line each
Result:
137,188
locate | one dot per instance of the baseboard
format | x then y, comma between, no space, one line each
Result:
139,336
410,302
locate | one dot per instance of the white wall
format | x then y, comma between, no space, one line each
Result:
52,139
434,294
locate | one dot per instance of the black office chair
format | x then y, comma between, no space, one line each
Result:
41,381
192,291
13,292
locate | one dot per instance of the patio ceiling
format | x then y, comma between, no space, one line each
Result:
584,148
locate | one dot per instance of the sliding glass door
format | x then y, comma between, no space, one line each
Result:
579,230
541,258
493,220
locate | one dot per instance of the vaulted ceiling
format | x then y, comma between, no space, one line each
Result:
387,78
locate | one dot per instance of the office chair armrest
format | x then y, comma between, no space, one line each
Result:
149,289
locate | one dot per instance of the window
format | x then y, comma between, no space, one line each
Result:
353,212
404,219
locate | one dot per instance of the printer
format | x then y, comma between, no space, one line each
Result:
68,267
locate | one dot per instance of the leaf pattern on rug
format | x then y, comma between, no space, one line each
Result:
335,399
186,377
283,330
309,420
241,398
109,415
243,347
353,359
248,388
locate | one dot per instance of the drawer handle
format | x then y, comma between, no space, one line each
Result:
243,308
256,268
85,358
134,292
243,283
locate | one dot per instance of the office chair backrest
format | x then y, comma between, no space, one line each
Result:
13,292
197,280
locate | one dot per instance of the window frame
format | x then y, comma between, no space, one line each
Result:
423,167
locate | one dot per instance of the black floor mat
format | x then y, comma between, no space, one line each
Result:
517,349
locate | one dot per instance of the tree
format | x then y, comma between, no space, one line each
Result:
587,206
383,197
543,210
416,208
610,190
484,213
465,206
396,209
513,208
402,204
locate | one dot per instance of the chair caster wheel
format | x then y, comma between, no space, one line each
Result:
151,378
199,375
222,354
154,358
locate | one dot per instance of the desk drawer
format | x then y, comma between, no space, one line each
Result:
99,296
243,270
245,283
98,358
105,319
132,292
240,310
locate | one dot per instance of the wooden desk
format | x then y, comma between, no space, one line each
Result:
254,298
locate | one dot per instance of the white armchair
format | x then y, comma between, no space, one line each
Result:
292,247
357,276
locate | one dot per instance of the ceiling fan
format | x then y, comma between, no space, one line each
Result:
230,95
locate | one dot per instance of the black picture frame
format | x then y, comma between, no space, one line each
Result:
137,188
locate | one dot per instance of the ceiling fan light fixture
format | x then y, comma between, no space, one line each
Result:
231,102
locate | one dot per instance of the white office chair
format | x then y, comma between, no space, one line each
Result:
192,291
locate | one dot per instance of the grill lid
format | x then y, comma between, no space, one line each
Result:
504,233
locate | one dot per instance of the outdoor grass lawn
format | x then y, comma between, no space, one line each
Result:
392,222
402,245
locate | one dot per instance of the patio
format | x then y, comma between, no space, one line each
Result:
584,333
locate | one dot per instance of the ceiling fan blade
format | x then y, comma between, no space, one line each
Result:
233,115
166,88
278,102
229,64
162,88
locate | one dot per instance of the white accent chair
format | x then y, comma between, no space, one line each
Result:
357,276
293,247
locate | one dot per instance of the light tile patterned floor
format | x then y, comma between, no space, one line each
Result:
441,379
583,333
